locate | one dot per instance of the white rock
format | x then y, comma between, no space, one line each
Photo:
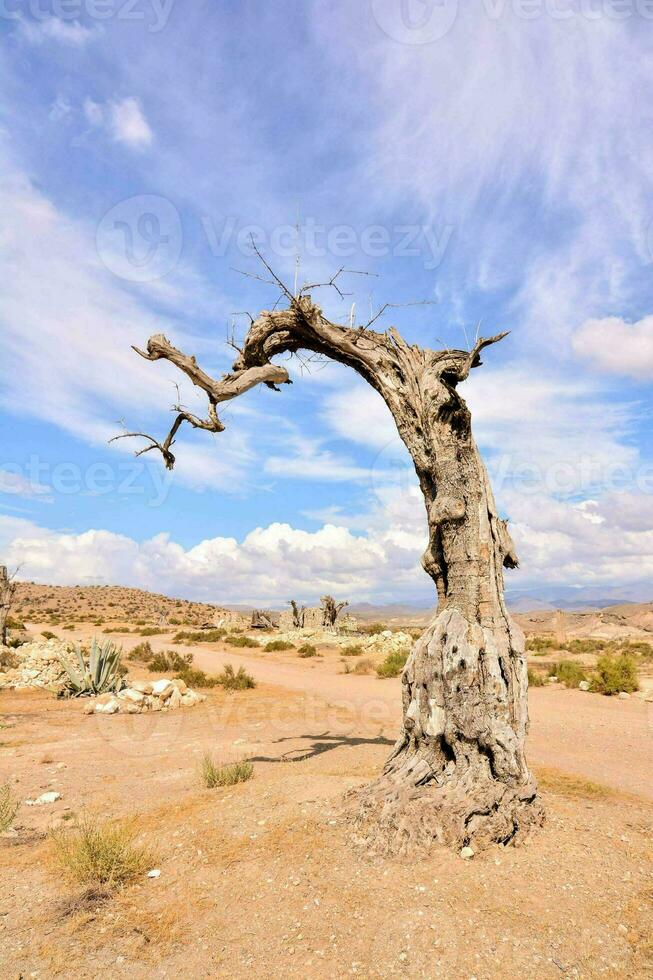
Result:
467,853
584,686
108,707
174,701
180,685
131,694
163,688
145,687
154,873
623,695
43,799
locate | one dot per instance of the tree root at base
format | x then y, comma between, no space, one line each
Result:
390,820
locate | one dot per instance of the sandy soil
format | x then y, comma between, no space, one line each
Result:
261,879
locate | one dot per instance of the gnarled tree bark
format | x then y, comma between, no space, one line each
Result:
458,772
7,595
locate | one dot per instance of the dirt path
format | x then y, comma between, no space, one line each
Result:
604,739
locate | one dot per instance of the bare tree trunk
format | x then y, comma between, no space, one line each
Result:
458,772
298,615
7,592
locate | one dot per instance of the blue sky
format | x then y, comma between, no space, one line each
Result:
494,160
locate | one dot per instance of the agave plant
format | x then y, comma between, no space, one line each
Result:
100,675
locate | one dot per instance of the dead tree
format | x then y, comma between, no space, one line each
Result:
331,610
458,772
7,596
298,615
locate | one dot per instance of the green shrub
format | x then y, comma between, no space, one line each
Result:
540,644
15,624
224,775
193,677
199,636
100,852
168,660
142,653
393,664
9,807
307,650
373,629
568,673
352,651
241,641
535,678
235,681
70,626
150,631
48,635
615,674
274,645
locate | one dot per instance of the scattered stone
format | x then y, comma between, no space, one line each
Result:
623,695
154,873
145,687
467,853
164,695
44,799
584,686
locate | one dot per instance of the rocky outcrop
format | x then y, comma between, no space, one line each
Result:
37,664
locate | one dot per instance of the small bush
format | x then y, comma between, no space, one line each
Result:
102,852
568,673
70,626
241,641
352,650
8,660
273,645
541,644
393,664
535,678
193,677
373,629
14,624
150,631
216,775
199,636
169,660
307,650
364,666
48,635
9,807
142,653
615,674
235,681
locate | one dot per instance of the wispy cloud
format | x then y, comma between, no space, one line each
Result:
69,32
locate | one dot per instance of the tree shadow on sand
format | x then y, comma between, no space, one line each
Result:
319,744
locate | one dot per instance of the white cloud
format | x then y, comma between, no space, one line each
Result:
53,28
269,565
128,123
13,481
616,347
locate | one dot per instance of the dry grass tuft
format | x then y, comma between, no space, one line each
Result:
97,852
9,807
213,774
573,787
